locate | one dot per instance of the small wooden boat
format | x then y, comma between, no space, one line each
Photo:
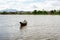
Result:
23,24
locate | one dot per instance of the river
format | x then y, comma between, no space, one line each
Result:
39,27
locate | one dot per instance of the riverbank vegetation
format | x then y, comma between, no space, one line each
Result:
35,12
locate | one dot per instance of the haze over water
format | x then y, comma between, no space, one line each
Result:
40,27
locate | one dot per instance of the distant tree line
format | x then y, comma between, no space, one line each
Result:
35,12
51,12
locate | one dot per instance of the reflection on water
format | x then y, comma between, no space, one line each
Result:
39,27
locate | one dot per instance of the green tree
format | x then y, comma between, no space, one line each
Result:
4,12
44,12
55,12
58,12
39,12
51,12
34,12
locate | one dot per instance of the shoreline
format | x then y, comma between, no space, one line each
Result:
28,14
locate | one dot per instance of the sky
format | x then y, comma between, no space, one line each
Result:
30,5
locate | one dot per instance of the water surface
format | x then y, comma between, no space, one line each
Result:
40,27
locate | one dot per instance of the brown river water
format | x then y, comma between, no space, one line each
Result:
40,27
